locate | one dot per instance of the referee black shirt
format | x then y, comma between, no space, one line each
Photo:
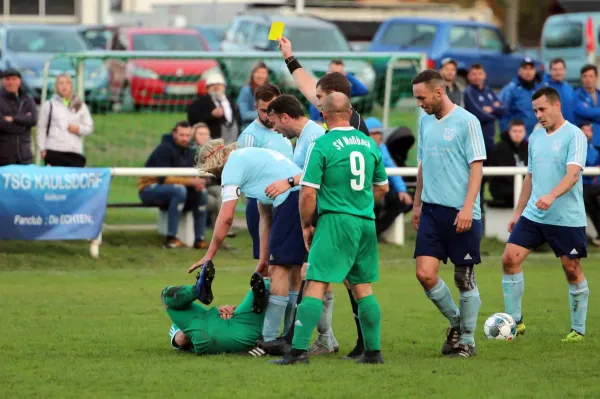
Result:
357,122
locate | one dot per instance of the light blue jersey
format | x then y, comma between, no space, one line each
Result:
251,170
549,155
446,149
257,135
310,132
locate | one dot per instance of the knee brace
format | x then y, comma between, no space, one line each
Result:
464,277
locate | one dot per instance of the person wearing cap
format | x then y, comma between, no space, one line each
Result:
397,200
556,80
448,72
218,111
18,115
516,95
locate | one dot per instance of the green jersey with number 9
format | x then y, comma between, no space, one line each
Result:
343,165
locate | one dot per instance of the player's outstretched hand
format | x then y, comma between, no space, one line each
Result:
198,264
545,202
308,234
463,220
416,217
277,188
512,222
285,46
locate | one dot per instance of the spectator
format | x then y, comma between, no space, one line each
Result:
516,96
510,151
556,80
245,101
587,105
64,121
591,184
216,110
448,72
482,102
18,115
176,194
397,200
200,134
357,88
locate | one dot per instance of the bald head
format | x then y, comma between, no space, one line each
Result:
337,110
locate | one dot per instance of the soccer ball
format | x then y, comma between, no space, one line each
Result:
500,326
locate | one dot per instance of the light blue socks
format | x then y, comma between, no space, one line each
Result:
578,301
442,298
513,286
273,316
470,302
290,311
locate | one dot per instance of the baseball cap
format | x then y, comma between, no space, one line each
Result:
11,72
172,332
374,125
527,61
215,79
448,60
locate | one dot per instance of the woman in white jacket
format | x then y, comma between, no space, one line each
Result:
64,120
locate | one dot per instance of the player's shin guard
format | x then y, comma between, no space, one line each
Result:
307,317
469,310
360,341
513,286
325,323
179,297
442,298
578,301
273,316
290,311
369,314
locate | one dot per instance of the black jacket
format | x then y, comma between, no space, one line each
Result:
200,111
506,153
15,136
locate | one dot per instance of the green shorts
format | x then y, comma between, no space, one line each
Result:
344,246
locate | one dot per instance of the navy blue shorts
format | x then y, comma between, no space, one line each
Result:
252,220
564,241
437,237
286,242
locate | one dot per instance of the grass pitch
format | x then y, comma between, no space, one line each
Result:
77,327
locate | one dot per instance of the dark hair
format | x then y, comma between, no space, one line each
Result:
334,81
557,60
550,93
259,65
429,76
179,124
581,125
286,104
589,67
336,62
476,66
515,122
266,92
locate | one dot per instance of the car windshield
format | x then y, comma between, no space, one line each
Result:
311,39
409,35
563,34
213,36
44,41
98,39
167,42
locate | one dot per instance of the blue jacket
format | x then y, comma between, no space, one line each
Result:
245,102
517,98
593,159
357,89
474,100
396,181
567,96
585,111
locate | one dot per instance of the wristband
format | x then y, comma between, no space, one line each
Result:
292,64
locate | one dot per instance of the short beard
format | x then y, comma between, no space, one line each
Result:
266,123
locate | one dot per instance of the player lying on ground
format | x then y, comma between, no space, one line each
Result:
446,210
282,251
345,174
227,329
550,209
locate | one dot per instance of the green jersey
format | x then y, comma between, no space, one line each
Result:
343,165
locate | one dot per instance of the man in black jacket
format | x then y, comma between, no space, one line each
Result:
18,115
218,111
510,151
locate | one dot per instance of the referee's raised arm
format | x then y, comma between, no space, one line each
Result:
306,83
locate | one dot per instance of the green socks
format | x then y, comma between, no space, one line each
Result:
179,297
369,314
307,317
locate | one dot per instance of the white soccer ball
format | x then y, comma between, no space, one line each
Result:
500,326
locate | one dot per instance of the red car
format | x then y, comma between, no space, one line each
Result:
151,82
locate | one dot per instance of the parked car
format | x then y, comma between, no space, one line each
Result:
467,42
158,82
249,33
28,47
571,37
213,34
97,36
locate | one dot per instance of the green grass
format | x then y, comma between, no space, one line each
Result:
77,327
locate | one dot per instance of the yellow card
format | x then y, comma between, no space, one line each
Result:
276,30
